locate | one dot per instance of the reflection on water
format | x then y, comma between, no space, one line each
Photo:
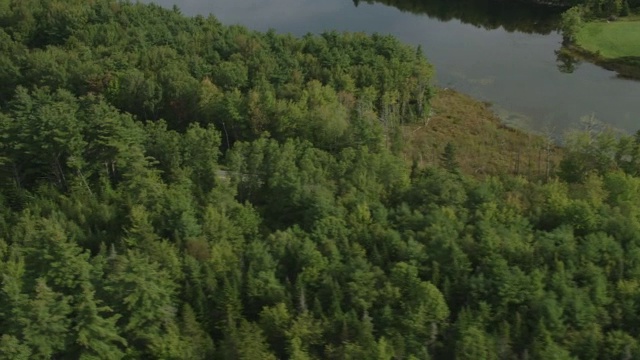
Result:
487,14
566,62
496,52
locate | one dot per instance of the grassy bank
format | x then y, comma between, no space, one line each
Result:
611,40
613,45
484,145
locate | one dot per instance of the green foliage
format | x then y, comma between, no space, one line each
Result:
473,344
448,158
571,23
97,337
174,188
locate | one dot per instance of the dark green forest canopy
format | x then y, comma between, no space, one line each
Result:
606,9
172,188
157,64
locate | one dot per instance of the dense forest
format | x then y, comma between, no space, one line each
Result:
599,9
173,188
608,8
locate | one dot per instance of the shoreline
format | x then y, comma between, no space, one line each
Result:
625,68
603,44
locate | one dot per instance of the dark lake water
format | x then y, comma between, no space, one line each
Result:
495,52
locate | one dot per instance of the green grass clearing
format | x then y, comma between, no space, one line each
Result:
612,39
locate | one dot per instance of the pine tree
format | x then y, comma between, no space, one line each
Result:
96,336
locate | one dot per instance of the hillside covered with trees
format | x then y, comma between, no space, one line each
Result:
173,188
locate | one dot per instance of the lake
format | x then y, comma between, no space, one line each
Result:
496,52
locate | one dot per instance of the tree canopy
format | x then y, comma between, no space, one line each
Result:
173,188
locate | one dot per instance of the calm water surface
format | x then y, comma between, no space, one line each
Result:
515,71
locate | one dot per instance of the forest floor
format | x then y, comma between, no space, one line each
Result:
484,144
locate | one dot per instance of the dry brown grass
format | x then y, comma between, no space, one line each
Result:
484,145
